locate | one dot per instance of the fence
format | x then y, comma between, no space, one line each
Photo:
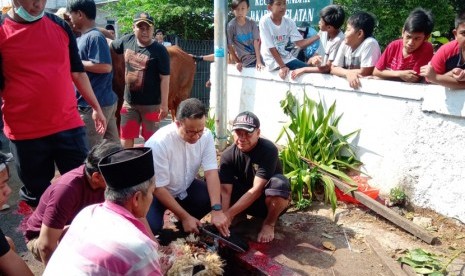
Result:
198,47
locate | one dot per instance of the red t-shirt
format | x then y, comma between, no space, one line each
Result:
447,58
393,59
62,201
38,93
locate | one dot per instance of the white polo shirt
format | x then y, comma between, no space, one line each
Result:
177,162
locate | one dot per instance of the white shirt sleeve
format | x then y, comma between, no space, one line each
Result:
294,34
209,161
339,60
370,53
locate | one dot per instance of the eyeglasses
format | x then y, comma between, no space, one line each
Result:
193,133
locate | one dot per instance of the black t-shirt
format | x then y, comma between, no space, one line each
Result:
4,246
144,65
240,168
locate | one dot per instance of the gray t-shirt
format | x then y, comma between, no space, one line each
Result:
242,38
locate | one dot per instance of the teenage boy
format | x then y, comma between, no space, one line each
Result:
403,57
359,52
331,19
276,31
243,37
443,68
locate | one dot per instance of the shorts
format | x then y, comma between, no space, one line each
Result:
278,185
132,116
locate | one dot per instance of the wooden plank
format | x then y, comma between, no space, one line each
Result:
386,212
392,265
380,209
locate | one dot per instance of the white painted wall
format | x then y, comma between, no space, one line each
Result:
412,135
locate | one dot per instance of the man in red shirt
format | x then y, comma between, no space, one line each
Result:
40,63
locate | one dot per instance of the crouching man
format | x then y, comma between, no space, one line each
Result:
251,176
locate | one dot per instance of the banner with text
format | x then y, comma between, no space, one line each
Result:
298,10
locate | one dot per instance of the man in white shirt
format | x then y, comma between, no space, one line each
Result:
179,150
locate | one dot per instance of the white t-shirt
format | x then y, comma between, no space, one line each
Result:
177,162
274,36
328,47
366,55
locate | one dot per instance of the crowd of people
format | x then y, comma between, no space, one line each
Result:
351,55
102,214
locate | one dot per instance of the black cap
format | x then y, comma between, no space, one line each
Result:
246,121
160,31
143,17
126,168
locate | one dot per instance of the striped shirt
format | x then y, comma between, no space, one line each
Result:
105,239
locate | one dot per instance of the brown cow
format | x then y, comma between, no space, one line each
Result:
182,71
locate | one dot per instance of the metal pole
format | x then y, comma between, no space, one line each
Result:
221,67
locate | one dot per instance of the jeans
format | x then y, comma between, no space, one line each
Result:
296,64
36,160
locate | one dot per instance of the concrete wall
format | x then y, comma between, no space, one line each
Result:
412,135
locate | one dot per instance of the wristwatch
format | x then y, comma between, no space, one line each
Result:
217,207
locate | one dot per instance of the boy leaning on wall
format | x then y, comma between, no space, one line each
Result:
447,64
358,54
403,58
276,31
331,19
243,37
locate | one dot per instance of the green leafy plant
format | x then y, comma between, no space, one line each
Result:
312,133
426,263
210,124
397,196
437,40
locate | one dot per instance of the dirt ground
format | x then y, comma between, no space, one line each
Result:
300,235
299,238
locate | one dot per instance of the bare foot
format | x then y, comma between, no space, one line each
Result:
266,234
